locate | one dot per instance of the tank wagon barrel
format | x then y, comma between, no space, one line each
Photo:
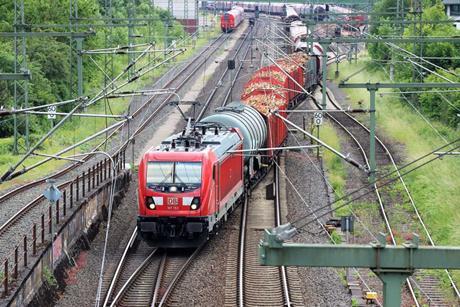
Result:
250,123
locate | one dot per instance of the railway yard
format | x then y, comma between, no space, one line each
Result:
259,158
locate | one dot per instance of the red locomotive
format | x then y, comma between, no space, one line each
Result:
230,20
193,180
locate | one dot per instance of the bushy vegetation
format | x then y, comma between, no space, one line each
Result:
334,167
48,58
444,55
433,187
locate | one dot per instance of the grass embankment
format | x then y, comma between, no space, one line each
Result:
77,129
337,176
435,187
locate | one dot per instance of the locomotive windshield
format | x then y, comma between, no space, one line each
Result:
173,173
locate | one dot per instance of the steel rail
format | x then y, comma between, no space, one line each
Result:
235,77
406,189
283,270
178,276
133,277
242,242
165,101
156,291
241,250
119,266
19,214
379,198
220,81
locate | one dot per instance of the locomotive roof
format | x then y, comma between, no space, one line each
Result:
217,139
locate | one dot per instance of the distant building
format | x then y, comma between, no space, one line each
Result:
184,11
453,10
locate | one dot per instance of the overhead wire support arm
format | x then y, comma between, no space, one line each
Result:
117,49
451,153
78,114
47,34
18,76
400,40
7,174
336,152
141,93
89,138
104,93
5,112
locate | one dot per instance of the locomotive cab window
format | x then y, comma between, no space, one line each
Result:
184,176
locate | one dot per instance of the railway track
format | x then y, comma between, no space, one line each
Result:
146,276
359,133
214,94
258,285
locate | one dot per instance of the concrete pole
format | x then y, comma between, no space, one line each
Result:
372,161
324,72
79,67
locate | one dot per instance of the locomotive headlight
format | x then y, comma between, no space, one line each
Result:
150,203
195,203
172,189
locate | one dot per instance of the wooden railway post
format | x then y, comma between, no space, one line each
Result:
110,168
64,204
71,194
25,251
16,262
50,218
124,155
115,167
98,170
93,172
43,228
34,239
105,169
57,212
89,179
5,278
82,185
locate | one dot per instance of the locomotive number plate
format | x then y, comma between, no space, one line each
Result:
173,201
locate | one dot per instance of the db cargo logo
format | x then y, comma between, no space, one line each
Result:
173,201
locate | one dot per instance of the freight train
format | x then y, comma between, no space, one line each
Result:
296,29
311,11
230,20
316,12
191,182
